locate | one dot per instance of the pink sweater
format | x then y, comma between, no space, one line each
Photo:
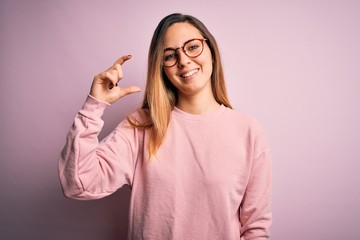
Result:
211,178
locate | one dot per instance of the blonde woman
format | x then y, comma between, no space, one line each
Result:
197,168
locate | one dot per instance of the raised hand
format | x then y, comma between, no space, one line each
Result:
105,85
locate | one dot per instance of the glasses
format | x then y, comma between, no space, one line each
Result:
192,48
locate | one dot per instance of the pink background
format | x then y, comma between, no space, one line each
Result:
294,65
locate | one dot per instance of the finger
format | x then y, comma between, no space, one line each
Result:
129,90
111,76
115,67
123,59
118,63
119,72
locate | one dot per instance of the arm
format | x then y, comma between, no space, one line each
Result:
255,209
89,169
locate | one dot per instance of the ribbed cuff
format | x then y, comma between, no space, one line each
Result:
93,107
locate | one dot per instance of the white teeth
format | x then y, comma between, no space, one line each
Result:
192,72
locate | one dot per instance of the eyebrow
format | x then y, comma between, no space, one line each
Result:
169,48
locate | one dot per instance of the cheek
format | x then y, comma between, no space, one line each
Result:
207,61
208,66
170,76
168,73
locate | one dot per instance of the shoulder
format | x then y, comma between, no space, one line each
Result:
140,115
248,126
138,119
240,118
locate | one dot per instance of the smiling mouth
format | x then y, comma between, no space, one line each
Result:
189,74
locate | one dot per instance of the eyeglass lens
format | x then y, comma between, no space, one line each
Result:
192,48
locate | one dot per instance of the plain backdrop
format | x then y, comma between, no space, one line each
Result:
294,65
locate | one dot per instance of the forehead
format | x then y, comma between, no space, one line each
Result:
178,33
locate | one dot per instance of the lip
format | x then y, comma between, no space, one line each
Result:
192,73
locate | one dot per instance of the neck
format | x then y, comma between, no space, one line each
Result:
197,104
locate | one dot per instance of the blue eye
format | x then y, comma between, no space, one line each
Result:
193,47
170,57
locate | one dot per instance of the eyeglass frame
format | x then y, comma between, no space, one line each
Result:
184,51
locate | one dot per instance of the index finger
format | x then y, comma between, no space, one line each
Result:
122,59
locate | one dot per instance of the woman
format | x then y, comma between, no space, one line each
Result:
197,168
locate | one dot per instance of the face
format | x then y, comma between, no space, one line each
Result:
190,75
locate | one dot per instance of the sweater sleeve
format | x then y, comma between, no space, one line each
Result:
255,210
90,169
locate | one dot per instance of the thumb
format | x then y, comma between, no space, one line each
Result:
129,90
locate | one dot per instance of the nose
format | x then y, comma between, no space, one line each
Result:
183,59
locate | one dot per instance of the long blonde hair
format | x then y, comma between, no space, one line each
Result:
160,95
